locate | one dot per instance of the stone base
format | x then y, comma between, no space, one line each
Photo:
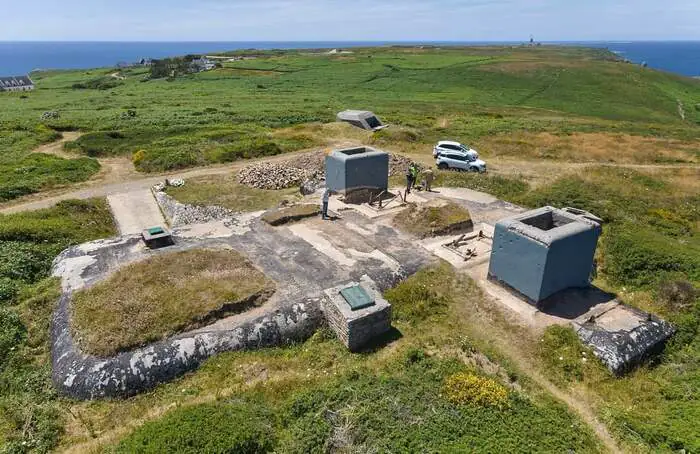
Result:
357,328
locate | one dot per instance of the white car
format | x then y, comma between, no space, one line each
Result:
447,146
459,160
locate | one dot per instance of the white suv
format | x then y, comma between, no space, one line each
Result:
459,160
446,146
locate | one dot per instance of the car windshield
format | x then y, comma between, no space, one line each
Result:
464,148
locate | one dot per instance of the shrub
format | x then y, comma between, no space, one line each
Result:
138,158
677,295
564,355
418,299
8,290
24,261
12,332
100,83
40,171
465,388
639,256
506,188
220,427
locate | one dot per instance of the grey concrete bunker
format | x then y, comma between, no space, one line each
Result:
544,251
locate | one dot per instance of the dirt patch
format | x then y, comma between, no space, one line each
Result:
291,214
164,295
592,147
425,221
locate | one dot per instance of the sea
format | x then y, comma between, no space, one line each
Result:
17,58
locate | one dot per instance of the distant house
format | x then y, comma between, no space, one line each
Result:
146,62
16,83
203,64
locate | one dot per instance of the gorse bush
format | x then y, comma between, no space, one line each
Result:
465,388
213,428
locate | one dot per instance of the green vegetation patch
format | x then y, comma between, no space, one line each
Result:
164,295
39,172
222,427
31,415
225,191
506,188
427,221
369,411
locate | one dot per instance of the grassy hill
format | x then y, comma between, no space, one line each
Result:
561,126
237,111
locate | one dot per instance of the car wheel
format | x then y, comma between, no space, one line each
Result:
473,169
443,166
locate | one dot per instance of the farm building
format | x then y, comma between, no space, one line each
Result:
16,83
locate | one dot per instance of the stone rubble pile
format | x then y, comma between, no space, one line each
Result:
283,174
299,169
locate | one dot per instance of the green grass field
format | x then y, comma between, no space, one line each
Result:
520,107
472,94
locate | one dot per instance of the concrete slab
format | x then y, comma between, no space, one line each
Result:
436,246
465,194
135,211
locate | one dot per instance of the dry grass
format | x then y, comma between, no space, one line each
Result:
291,214
225,191
591,147
433,220
164,295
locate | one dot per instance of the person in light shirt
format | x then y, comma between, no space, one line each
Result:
324,204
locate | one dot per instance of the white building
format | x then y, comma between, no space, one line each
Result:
19,83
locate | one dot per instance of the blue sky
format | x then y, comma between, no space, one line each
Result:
317,20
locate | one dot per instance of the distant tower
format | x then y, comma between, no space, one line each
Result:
532,40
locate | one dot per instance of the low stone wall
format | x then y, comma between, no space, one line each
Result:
88,377
178,214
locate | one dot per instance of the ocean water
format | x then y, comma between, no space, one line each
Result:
18,58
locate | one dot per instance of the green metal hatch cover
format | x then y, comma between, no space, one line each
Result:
357,298
156,230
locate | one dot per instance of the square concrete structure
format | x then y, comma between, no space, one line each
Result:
361,119
356,328
544,251
157,237
357,168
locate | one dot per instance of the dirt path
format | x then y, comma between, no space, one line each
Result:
56,148
119,176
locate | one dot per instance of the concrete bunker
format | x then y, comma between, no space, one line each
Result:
357,172
362,119
544,251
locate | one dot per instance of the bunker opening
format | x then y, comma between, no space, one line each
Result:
546,221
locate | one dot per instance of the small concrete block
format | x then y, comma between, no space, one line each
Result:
356,328
157,237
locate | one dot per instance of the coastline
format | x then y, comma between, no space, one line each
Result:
679,57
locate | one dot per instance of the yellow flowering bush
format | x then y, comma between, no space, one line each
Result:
138,157
465,388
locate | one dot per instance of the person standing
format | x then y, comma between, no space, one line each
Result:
410,179
324,203
429,177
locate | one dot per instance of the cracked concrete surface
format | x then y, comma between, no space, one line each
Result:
303,260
